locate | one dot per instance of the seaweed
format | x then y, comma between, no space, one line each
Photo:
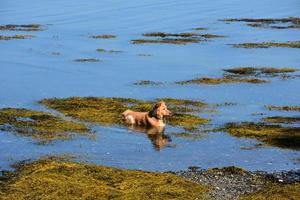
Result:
41,126
167,41
257,71
280,119
275,191
15,37
285,108
276,23
56,179
108,51
216,81
21,27
289,44
103,36
107,111
87,60
147,82
274,135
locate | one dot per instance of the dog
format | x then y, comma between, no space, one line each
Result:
153,118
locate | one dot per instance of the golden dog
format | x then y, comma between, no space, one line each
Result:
153,118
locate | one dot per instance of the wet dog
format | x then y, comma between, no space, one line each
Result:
153,118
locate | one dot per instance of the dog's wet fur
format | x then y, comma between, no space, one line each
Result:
153,118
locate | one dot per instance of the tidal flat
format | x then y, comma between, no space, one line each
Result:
52,105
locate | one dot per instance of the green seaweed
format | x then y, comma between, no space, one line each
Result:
274,135
285,108
276,23
280,119
259,70
103,36
87,60
166,41
216,81
275,191
107,111
55,179
41,126
108,51
289,44
21,27
147,82
15,37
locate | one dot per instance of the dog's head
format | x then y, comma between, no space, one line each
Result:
160,110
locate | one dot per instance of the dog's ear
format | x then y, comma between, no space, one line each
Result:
153,112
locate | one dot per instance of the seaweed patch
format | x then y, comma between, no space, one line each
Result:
87,60
103,36
41,126
276,23
108,51
147,82
56,179
21,27
285,108
274,135
226,79
107,111
15,37
289,44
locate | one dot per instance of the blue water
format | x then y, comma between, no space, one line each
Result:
30,72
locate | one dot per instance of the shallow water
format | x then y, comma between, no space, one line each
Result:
30,72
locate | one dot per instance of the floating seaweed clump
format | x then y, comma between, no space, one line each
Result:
147,82
107,111
87,60
280,119
55,179
42,126
276,23
167,41
103,36
22,27
174,38
274,135
15,37
216,81
290,44
285,108
109,51
259,70
275,191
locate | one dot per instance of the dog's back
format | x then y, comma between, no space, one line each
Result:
135,118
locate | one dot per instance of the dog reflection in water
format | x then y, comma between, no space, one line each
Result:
156,135
151,122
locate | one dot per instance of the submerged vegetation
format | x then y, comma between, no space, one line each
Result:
257,71
147,82
107,111
174,38
15,37
285,108
103,36
275,135
41,126
279,119
108,51
227,79
21,27
290,44
275,191
276,23
55,179
87,60
166,41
